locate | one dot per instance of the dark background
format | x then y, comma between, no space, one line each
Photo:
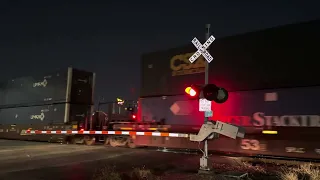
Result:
109,37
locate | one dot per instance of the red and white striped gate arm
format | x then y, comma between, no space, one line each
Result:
130,133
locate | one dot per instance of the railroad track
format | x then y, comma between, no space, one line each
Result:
239,157
256,159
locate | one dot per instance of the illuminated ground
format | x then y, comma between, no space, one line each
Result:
44,161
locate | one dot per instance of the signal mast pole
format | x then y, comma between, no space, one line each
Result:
207,94
206,81
205,101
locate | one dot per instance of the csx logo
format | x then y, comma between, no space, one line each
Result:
39,84
180,65
40,116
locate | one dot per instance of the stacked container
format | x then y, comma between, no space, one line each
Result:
60,98
249,66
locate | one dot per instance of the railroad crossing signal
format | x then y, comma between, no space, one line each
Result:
209,92
202,49
214,93
206,94
193,91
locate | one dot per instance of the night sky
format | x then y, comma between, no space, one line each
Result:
109,38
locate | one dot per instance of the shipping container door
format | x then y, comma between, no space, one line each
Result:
82,87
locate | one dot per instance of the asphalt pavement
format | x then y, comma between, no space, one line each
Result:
45,161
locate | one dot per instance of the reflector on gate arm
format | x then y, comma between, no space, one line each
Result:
225,129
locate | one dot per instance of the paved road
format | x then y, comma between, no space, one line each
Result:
44,161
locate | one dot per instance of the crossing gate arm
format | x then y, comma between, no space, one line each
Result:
129,133
206,130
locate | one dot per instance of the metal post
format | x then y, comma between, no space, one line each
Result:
206,81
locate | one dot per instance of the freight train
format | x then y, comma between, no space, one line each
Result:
271,76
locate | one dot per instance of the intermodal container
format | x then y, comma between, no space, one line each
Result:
64,86
44,115
279,57
285,107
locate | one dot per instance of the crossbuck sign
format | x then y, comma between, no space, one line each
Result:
202,49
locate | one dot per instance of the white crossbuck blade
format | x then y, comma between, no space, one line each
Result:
202,49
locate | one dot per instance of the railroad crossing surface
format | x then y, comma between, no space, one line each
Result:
45,161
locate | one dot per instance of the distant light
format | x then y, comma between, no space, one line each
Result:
134,116
269,132
120,101
126,129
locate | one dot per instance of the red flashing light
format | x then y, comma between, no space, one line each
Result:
134,116
191,91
